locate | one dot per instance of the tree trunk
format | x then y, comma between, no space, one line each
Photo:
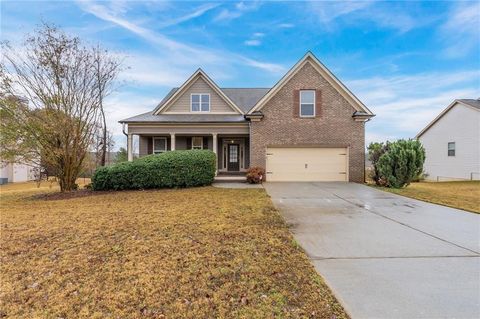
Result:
104,137
67,177
67,184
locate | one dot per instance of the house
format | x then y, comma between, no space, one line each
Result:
14,172
452,142
307,127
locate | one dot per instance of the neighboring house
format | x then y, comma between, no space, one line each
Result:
452,142
307,127
13,173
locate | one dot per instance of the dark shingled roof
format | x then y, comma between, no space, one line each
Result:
185,118
471,102
244,98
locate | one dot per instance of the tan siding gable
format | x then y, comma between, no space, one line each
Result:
199,85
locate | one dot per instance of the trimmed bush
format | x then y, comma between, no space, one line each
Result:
255,175
401,163
375,151
167,170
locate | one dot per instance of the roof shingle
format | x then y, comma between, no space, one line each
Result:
471,102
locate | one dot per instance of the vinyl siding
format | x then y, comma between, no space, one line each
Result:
461,124
143,145
17,172
217,103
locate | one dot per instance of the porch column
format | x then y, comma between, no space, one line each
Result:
215,143
130,147
214,135
172,141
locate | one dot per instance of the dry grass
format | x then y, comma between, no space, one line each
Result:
50,185
462,195
189,253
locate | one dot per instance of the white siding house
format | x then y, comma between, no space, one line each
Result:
13,173
452,142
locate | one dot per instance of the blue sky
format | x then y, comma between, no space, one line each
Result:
405,60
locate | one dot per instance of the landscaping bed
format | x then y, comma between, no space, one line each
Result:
186,253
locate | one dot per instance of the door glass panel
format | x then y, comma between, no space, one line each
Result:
233,154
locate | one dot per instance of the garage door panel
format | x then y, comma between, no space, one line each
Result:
307,164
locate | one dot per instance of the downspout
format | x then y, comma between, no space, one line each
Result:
249,143
126,134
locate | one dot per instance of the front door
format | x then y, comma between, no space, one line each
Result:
233,162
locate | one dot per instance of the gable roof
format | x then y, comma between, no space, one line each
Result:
244,98
173,95
322,69
472,103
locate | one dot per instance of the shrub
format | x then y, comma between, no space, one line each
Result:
375,150
401,163
255,175
167,170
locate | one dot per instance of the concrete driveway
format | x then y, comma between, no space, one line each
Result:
384,255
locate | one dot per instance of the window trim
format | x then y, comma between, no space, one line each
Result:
454,149
300,103
193,147
159,151
200,102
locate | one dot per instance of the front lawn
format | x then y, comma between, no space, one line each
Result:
462,195
188,253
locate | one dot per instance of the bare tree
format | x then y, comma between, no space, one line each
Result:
104,143
107,68
58,75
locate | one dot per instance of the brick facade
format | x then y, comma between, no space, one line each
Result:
335,126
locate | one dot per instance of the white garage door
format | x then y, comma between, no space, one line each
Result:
306,164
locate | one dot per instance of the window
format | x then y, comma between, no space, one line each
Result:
451,148
159,145
307,103
197,143
200,102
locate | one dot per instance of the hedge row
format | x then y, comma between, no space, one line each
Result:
167,170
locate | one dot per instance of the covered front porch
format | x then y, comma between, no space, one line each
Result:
231,143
